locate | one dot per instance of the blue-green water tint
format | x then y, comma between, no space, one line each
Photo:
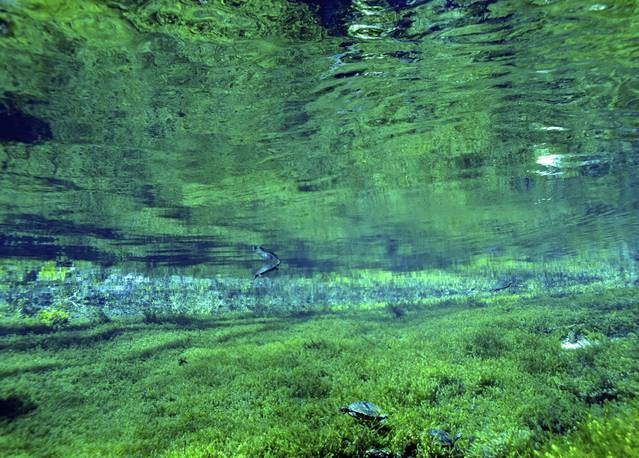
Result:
388,135
450,185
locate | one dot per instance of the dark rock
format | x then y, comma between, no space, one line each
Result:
396,310
332,14
12,407
17,126
6,28
400,4
444,437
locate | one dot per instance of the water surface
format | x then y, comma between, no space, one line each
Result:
399,135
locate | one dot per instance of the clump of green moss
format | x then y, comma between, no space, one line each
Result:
54,317
616,433
487,343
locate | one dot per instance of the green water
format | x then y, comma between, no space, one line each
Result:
451,188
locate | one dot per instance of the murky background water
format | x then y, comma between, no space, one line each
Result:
396,135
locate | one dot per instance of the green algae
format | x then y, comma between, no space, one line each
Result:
220,20
612,434
273,386
84,292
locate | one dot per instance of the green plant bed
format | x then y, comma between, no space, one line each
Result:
614,432
273,386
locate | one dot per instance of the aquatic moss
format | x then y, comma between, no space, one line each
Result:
52,272
54,317
615,432
272,386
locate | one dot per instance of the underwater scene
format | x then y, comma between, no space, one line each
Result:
319,228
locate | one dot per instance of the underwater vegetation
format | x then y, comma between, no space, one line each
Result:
48,292
448,379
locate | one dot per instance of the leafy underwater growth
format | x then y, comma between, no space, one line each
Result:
54,317
88,291
616,433
273,386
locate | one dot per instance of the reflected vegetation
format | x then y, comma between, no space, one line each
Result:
153,134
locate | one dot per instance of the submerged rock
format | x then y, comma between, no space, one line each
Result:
379,453
12,407
575,342
6,28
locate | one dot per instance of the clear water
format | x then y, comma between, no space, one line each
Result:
451,187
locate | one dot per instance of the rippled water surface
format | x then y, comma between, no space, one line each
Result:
398,135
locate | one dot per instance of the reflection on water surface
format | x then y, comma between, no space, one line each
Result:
400,135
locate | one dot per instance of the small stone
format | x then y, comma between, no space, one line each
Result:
379,453
575,343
